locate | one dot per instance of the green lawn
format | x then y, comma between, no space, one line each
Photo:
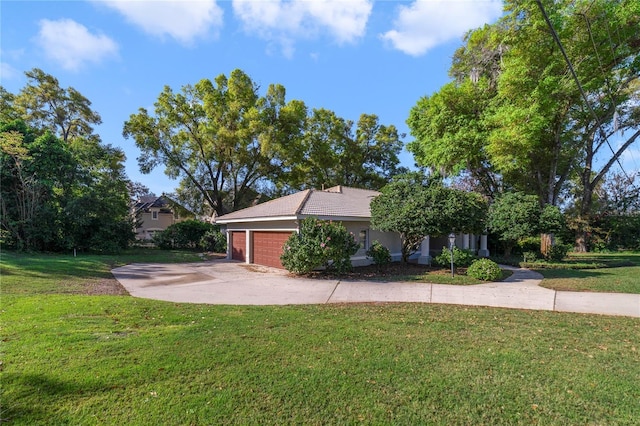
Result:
52,273
606,272
78,359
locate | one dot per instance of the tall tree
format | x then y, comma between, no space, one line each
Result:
541,132
618,196
336,151
82,191
451,132
43,104
221,138
35,170
8,112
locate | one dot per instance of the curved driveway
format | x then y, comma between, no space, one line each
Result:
233,283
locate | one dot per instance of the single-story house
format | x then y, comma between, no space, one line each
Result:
257,234
153,214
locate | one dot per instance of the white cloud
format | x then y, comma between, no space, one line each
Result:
181,20
283,21
427,23
72,45
7,72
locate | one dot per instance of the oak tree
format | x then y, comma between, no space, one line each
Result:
221,138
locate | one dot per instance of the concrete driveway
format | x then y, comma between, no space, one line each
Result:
234,283
221,282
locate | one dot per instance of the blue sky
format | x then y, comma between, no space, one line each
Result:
349,56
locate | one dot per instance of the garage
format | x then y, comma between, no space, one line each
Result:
267,247
239,246
268,225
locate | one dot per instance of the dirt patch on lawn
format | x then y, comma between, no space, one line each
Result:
105,286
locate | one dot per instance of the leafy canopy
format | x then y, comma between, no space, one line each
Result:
513,112
228,143
61,187
515,215
415,207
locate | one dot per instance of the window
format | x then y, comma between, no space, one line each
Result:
154,215
363,239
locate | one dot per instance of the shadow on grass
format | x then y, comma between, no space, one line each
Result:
32,396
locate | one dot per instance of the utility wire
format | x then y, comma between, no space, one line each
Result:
575,78
606,80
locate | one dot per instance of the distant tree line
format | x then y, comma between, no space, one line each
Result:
519,125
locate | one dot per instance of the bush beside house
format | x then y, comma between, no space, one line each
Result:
320,244
461,257
379,254
189,234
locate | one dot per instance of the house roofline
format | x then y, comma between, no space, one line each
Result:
338,218
296,217
255,219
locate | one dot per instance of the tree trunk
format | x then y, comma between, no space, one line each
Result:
581,242
584,220
546,242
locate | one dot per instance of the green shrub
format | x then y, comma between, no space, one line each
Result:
558,252
163,240
461,258
531,256
214,241
379,254
617,232
485,270
183,235
319,244
529,244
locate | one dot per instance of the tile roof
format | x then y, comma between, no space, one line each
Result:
339,201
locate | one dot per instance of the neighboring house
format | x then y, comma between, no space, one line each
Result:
154,214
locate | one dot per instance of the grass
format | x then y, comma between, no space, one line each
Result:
78,359
54,273
606,272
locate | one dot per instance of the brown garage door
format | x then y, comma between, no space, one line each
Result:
239,245
267,247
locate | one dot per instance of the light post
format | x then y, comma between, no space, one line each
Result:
452,242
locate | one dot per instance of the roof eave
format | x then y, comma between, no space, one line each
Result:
297,217
255,219
337,218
